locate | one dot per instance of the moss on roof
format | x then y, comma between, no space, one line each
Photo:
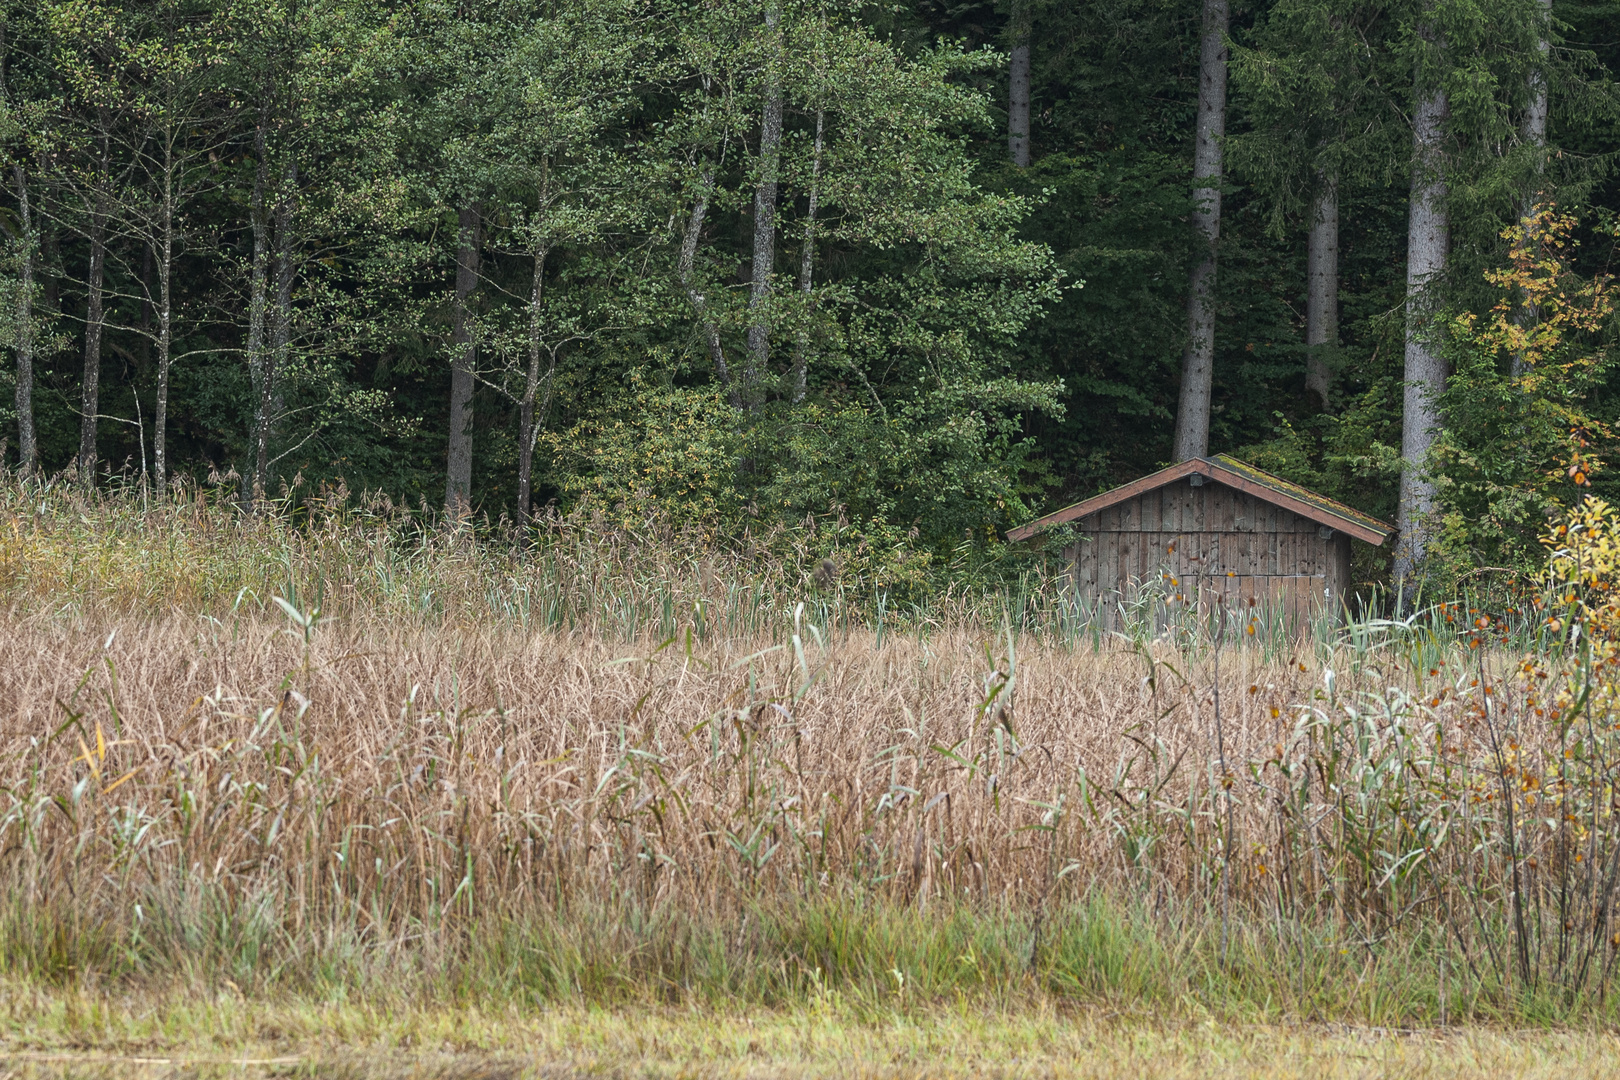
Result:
1295,491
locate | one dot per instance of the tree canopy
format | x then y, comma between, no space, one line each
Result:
731,262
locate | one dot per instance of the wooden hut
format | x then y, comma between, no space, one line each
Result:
1212,526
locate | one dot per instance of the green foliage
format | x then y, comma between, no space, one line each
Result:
947,346
656,449
1529,421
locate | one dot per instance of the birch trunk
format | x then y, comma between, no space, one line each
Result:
259,367
165,271
1428,241
90,395
280,352
50,252
807,262
1198,362
147,308
1018,87
770,159
27,446
527,428
1534,132
1322,286
458,480
686,268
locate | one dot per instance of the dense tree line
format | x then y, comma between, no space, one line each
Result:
929,269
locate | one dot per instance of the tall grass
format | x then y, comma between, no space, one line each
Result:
240,747
72,550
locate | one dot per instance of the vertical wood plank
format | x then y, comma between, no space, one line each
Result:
1342,566
1107,569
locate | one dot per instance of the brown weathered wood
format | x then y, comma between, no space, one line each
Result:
1231,474
1341,566
1217,545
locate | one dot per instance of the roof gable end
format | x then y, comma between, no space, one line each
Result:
1233,473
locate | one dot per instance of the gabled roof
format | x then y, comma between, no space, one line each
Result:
1235,474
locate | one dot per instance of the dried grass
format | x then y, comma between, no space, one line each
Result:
542,762
402,805
613,767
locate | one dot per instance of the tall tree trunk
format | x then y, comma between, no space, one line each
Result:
527,428
1534,132
145,362
1427,244
1322,286
1198,362
1535,116
27,447
807,263
165,269
280,351
259,366
686,269
1018,86
90,396
458,470
770,160
50,252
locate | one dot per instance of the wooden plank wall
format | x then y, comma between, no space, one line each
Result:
1209,540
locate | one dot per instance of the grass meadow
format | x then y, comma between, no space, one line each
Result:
349,779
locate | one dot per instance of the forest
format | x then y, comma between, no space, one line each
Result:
926,269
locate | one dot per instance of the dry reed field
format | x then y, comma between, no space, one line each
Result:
513,768
354,800
294,764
